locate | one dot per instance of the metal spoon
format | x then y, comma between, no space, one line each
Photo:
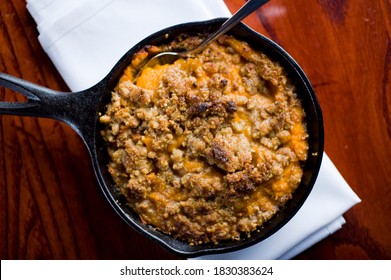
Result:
170,57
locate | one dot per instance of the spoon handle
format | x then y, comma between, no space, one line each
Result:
242,13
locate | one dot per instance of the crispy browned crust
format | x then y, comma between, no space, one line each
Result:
214,149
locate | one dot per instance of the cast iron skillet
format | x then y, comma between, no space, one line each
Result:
81,111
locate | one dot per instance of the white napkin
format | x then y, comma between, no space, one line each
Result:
85,38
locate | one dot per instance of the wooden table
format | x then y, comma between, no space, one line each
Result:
50,205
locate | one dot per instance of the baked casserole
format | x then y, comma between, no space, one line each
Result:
210,147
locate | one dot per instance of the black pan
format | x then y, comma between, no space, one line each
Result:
81,111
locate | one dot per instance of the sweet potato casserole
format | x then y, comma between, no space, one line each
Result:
210,147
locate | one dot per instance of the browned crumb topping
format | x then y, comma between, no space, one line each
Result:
209,147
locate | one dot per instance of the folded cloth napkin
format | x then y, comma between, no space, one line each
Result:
85,38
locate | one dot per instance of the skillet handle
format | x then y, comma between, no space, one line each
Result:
37,97
77,109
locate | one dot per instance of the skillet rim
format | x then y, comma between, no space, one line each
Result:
182,248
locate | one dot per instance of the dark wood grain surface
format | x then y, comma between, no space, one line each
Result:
50,203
